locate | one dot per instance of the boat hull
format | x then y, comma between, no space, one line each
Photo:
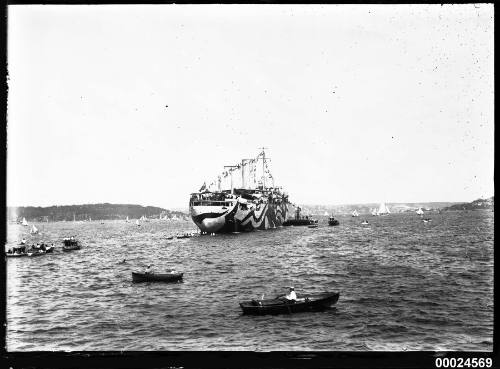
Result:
151,277
15,255
239,217
71,247
277,306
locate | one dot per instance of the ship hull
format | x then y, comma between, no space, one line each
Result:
239,217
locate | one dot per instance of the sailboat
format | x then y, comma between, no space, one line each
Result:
326,214
355,213
420,211
127,219
24,223
374,212
137,223
34,230
383,209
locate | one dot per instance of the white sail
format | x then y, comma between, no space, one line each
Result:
137,221
383,209
420,211
326,214
127,219
355,213
33,229
24,223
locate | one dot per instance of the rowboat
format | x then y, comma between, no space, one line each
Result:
71,247
304,303
333,222
153,277
15,254
36,253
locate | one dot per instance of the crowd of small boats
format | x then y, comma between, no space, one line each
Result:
41,248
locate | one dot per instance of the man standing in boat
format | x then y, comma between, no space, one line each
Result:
149,269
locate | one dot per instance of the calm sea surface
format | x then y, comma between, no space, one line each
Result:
403,284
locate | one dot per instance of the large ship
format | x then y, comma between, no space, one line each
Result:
241,199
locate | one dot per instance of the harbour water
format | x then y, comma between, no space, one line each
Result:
404,285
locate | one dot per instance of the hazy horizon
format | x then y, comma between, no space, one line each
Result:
142,104
304,204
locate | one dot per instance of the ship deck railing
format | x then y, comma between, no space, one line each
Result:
211,203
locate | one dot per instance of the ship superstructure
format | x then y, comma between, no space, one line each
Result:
243,198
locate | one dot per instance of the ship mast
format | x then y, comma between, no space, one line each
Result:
243,163
263,168
231,173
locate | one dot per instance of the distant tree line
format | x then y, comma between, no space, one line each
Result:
85,212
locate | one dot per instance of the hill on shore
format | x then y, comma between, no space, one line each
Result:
89,211
474,205
367,208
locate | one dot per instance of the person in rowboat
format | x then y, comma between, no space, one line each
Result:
291,296
149,269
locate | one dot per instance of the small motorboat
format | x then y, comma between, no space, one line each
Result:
426,220
16,252
170,237
333,222
364,222
156,277
280,305
70,244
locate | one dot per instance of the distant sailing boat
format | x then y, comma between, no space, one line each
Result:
383,209
326,214
374,212
127,220
420,211
34,230
355,213
24,223
137,223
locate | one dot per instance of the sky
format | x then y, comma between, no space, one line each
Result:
355,103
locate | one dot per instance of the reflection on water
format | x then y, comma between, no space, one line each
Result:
404,284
